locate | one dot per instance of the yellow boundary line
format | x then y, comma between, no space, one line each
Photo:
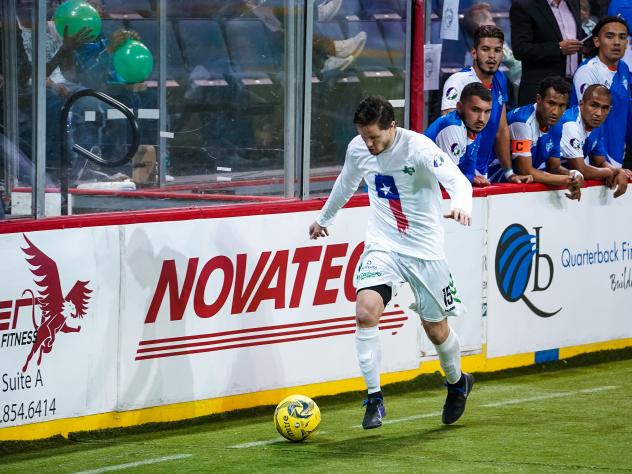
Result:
186,410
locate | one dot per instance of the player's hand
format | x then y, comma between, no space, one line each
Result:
460,216
627,172
576,179
620,184
574,194
480,181
316,231
520,178
570,46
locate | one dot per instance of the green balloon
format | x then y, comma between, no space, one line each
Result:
133,61
77,14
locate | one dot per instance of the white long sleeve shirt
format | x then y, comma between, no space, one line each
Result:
404,194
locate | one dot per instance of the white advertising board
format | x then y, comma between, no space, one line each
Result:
59,303
257,306
560,272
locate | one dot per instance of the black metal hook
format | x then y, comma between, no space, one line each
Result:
63,127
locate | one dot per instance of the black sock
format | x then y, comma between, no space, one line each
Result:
376,395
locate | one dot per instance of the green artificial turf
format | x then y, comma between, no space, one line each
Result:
573,416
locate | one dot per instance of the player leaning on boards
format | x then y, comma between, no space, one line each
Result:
535,134
404,243
458,133
582,145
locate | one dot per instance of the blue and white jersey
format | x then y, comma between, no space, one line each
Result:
617,128
451,135
452,92
578,141
528,139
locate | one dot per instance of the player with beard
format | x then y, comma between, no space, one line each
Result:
404,243
582,145
609,40
487,54
536,134
458,132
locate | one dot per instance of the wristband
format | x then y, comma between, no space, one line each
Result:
508,173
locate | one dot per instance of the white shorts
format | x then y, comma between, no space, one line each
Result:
435,293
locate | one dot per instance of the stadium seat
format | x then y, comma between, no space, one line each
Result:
395,38
203,46
381,9
375,59
130,9
351,10
252,54
148,30
453,52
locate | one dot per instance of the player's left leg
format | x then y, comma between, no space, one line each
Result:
436,299
459,383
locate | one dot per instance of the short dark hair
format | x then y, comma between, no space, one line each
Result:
591,88
374,109
475,89
590,50
559,85
488,31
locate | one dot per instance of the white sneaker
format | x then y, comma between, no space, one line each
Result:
328,10
351,46
337,63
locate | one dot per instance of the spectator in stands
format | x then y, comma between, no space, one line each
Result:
480,14
588,20
582,147
328,55
604,66
545,36
487,53
536,134
458,132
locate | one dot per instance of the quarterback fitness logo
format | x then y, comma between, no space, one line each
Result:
514,259
55,307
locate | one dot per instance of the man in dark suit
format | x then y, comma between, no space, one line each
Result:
545,37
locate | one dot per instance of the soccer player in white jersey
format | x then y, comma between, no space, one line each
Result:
582,147
487,54
535,137
404,243
605,67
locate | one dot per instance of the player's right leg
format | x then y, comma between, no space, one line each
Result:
369,307
377,279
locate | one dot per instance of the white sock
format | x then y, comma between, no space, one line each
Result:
450,357
369,356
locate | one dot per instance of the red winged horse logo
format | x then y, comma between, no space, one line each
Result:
54,306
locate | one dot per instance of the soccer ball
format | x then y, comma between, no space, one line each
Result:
296,417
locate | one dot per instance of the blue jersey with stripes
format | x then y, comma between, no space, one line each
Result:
617,129
529,139
452,92
451,135
578,140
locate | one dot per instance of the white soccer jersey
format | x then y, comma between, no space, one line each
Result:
592,72
404,194
454,86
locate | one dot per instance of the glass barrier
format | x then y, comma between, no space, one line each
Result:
17,169
359,49
213,106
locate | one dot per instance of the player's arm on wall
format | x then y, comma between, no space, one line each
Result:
502,148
